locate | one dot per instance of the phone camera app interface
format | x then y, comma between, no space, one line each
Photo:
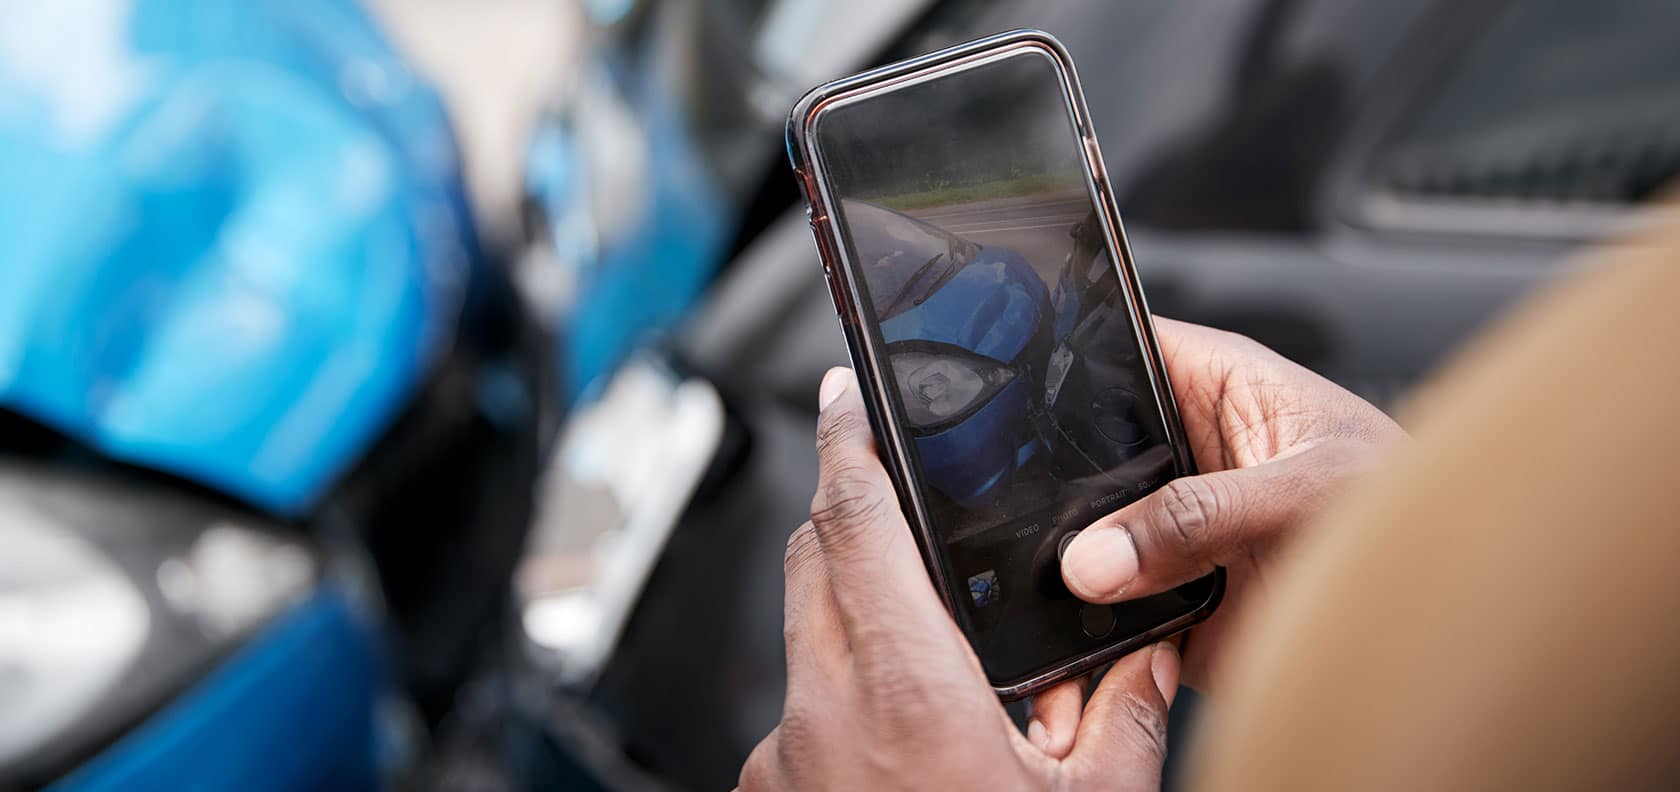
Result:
970,229
983,588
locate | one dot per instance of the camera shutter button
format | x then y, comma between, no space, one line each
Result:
1062,545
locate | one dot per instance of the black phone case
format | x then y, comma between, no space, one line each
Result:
858,343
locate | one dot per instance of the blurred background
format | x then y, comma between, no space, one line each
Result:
419,393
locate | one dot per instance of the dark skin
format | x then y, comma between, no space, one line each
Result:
884,692
1274,442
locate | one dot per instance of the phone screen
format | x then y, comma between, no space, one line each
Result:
1015,374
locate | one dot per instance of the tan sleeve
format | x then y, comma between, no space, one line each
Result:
1501,609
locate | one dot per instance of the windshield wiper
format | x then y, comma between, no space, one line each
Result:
909,286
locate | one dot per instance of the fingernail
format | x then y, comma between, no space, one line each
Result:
833,386
1164,666
1100,562
1038,735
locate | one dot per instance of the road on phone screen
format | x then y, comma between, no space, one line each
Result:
1035,226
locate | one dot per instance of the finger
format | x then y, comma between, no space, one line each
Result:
1183,530
880,584
1177,337
1055,717
1122,741
811,631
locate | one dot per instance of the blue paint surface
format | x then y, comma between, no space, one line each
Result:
292,709
992,307
997,307
971,461
236,235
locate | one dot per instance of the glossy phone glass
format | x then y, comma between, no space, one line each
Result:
1014,382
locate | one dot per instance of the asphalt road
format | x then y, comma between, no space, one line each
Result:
1035,226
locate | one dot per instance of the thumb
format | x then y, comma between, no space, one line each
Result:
1183,530
1122,740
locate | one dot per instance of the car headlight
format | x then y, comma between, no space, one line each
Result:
114,595
940,385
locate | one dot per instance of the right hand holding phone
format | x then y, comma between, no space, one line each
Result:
883,690
1274,442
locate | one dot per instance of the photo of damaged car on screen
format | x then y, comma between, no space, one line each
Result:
997,373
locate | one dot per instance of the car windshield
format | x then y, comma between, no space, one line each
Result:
903,259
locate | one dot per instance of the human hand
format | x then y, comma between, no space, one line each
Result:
883,690
1273,442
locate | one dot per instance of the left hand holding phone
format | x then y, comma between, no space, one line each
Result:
883,690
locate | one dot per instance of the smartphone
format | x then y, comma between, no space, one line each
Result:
998,328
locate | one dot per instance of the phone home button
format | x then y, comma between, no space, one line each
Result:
1096,620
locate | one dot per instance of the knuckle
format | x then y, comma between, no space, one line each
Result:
1188,507
1135,737
846,500
1147,722
803,555
803,550
793,638
836,429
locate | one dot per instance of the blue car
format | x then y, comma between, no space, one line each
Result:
968,329
246,329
